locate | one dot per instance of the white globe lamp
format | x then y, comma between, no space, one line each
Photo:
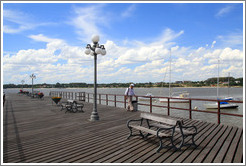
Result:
95,38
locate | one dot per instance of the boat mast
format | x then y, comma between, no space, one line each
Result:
228,83
218,78
170,61
164,78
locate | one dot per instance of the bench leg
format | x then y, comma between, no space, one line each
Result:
160,147
141,134
193,141
74,110
68,109
173,146
130,133
182,143
81,109
187,144
147,135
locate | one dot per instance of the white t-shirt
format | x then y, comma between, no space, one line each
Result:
129,92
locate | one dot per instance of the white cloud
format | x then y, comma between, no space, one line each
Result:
146,62
213,54
233,40
129,11
19,22
222,12
46,64
167,36
42,38
232,69
212,46
88,20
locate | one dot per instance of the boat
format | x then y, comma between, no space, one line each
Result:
178,99
180,96
148,95
223,103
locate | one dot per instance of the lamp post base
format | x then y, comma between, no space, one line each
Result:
94,116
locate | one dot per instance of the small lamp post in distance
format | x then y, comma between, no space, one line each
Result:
22,81
32,76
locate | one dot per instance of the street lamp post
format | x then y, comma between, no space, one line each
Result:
94,50
32,77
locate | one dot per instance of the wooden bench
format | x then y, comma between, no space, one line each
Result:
160,132
163,127
72,106
185,132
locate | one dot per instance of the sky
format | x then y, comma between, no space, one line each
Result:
142,41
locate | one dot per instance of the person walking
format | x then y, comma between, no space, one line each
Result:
128,95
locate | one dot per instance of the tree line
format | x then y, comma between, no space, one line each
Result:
223,81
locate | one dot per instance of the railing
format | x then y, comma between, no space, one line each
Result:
69,95
87,96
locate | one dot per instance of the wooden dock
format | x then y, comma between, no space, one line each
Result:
35,131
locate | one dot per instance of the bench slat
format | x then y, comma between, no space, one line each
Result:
153,132
158,118
186,132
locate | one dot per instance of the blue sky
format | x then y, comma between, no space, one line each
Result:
49,39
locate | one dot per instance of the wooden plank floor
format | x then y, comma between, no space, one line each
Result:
35,131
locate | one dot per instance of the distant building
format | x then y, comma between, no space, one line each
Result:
186,82
179,82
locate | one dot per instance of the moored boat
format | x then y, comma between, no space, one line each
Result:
148,95
222,105
179,98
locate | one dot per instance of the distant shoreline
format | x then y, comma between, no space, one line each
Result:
135,87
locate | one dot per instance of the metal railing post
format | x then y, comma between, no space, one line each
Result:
100,102
124,101
168,106
106,99
115,100
150,104
190,111
218,112
88,97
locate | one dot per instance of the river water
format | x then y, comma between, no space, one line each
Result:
204,93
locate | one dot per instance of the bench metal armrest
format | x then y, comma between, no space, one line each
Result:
187,127
133,120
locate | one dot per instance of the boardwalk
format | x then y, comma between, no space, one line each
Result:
35,131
